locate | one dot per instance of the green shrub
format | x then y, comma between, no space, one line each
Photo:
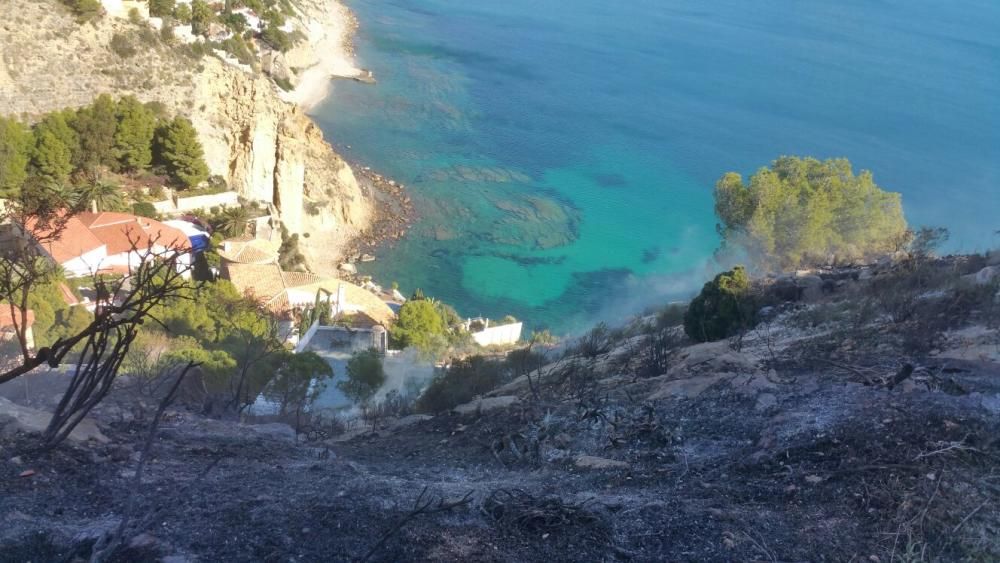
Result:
722,309
85,10
145,209
122,45
238,48
182,13
161,8
276,38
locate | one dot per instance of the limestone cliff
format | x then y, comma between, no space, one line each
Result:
265,147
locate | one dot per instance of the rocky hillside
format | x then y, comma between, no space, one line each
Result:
265,147
858,421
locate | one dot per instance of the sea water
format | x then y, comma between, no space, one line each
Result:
561,155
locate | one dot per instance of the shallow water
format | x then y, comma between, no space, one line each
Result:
562,156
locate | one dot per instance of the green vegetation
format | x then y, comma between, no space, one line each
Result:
276,38
15,151
722,309
134,136
161,8
802,211
54,318
364,377
182,13
292,386
201,17
419,325
290,257
181,152
79,158
85,10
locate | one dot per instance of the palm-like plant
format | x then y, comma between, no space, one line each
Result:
99,196
232,221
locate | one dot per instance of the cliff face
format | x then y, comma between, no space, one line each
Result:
266,148
269,150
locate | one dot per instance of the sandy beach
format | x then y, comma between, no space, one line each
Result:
326,54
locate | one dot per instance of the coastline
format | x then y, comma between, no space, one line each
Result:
329,29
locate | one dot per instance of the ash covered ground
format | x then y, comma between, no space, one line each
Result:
841,429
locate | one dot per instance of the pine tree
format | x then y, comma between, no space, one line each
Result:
59,124
182,153
96,126
15,150
51,158
134,136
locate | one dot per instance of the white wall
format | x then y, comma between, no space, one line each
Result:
86,264
229,199
503,334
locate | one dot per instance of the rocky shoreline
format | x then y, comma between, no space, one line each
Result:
394,213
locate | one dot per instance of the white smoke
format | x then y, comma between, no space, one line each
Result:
405,373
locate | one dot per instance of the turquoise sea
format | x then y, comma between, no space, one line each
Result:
561,155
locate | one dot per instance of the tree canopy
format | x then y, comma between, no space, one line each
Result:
96,125
418,323
134,134
181,152
365,376
802,211
15,151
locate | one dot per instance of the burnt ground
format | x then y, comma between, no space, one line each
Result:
791,445
830,470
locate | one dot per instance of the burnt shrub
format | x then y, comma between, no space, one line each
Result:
725,307
461,382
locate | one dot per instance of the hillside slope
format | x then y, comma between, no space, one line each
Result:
808,439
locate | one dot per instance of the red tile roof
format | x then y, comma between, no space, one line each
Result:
6,321
120,230
74,241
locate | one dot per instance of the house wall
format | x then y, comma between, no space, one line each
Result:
86,264
498,335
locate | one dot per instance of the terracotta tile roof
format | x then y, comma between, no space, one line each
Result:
73,241
249,252
6,321
269,285
119,230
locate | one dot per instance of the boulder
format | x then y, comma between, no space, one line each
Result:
274,63
275,430
409,421
487,404
15,418
349,268
594,462
986,276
